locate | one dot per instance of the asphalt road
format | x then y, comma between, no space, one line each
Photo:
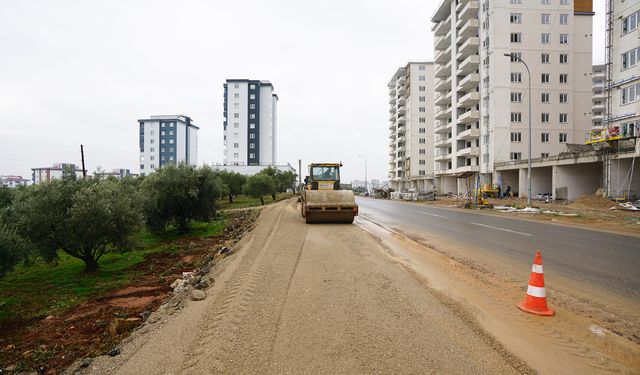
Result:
600,259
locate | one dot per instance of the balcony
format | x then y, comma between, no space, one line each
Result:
442,157
402,101
443,142
468,30
469,151
443,127
443,85
443,71
469,65
468,100
468,168
402,110
401,121
392,109
443,56
470,47
402,90
392,126
469,134
402,139
443,114
469,11
392,100
443,99
469,82
441,27
443,42
469,117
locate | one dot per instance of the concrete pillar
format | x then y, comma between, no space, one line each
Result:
522,182
554,181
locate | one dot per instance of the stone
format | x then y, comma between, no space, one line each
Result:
145,314
86,362
198,295
114,352
202,285
101,323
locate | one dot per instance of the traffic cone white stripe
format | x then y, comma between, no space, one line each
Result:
537,268
535,291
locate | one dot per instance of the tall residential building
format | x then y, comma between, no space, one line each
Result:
487,119
250,123
56,171
411,126
167,140
598,108
625,65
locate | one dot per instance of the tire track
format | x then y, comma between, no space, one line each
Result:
220,323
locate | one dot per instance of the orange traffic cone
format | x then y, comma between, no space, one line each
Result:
536,300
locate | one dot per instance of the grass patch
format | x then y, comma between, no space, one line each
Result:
243,201
40,289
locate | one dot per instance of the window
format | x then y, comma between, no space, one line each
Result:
236,105
545,38
236,125
516,37
516,117
629,94
422,141
162,158
422,109
152,132
152,141
516,137
162,149
236,85
252,96
170,132
162,132
152,166
564,78
152,149
564,58
544,118
422,130
544,58
564,38
252,155
422,88
252,125
564,118
235,155
545,1
252,145
236,115
564,19
564,98
545,97
545,78
422,120
516,1
141,166
516,56
544,155
252,87
516,77
422,99
516,97
252,136
564,2
630,23
152,157
516,156
562,137
421,78
252,106
630,58
545,18
171,149
422,151
421,67
422,162
544,137
171,141
516,18
236,145
252,116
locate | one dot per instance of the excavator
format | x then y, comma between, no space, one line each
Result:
322,200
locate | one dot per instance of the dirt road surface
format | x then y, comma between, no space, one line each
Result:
321,299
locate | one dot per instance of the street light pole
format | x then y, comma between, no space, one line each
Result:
517,58
366,184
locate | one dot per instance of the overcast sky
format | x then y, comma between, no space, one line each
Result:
75,72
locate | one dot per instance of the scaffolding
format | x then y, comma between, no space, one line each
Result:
606,149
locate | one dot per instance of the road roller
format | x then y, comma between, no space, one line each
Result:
322,201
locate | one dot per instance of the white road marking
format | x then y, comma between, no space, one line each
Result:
504,229
430,214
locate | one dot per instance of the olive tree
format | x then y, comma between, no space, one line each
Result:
84,218
233,181
258,186
176,195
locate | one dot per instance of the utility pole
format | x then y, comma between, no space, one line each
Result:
299,175
84,170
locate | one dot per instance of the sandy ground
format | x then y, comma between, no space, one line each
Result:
322,299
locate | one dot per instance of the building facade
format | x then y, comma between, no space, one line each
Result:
598,108
13,181
411,127
164,140
625,65
250,123
56,171
486,120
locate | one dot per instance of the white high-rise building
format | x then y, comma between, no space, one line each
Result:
250,123
486,121
625,65
411,126
167,140
598,108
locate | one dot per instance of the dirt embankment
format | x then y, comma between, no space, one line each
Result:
96,326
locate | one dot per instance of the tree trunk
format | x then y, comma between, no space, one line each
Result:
91,265
230,198
262,201
183,226
273,196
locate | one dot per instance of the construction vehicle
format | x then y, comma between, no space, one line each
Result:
322,201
